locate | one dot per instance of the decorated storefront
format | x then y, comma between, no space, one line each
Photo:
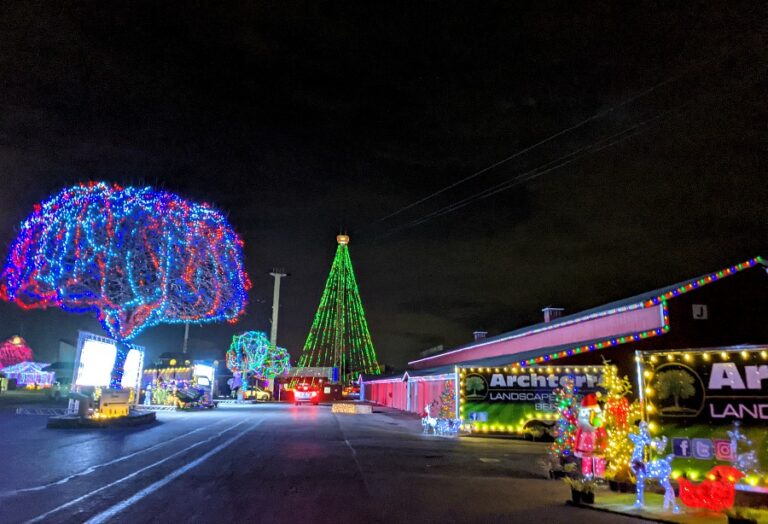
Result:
518,400
712,407
185,386
29,375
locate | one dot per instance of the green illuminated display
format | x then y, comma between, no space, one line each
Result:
339,335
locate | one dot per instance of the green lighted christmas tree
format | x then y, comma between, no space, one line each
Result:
339,334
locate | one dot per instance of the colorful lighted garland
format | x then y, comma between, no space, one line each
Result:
135,257
654,301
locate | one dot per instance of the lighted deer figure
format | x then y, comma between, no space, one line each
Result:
429,422
659,469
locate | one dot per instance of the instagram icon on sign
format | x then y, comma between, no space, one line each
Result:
723,450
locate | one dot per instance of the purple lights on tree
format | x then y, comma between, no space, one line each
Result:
135,257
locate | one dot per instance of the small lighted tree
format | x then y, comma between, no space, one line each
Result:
448,401
276,362
566,403
14,351
247,352
620,416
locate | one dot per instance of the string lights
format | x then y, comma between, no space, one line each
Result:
659,469
276,363
620,416
566,403
135,257
660,299
247,352
339,335
15,351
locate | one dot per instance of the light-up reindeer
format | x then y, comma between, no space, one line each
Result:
428,421
659,469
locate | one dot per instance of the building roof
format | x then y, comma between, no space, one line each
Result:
647,299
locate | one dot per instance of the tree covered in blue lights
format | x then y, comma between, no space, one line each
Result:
135,257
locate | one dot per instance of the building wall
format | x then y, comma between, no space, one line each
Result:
737,310
406,395
388,392
737,313
604,327
425,391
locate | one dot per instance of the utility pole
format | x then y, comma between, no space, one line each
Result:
186,338
278,273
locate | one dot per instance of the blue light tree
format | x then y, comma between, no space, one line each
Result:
134,257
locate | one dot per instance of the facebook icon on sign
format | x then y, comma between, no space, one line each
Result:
681,447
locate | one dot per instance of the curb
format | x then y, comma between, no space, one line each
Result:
74,422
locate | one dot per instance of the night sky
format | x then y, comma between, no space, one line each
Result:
298,119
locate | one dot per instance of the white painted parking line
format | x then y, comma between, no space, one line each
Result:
74,501
104,516
91,469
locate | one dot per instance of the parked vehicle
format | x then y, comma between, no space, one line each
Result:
306,393
256,393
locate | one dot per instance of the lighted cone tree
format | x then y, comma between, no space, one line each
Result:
567,405
448,401
620,416
134,257
339,335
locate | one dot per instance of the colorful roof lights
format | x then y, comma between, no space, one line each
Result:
135,257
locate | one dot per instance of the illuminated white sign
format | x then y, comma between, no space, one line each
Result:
201,370
131,368
96,361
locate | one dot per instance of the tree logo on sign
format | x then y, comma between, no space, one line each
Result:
476,387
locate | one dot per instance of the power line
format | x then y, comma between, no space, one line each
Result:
540,170
560,133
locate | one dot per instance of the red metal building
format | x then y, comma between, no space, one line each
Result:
724,308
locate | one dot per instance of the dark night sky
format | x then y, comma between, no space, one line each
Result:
298,118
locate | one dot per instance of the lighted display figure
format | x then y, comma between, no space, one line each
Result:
659,469
428,422
15,351
591,437
135,257
339,335
747,461
717,492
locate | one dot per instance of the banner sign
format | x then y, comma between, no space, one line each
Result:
696,399
506,399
